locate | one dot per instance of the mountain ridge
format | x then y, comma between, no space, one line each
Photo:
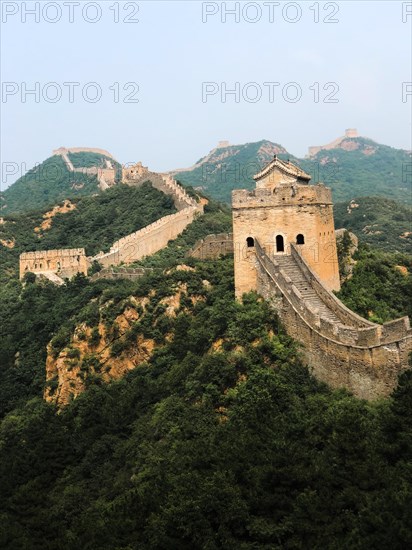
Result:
351,165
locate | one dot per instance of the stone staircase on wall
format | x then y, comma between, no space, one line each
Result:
288,265
343,349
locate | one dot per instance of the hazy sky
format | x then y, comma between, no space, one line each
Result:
301,73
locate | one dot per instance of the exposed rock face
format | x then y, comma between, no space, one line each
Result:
91,354
110,349
8,243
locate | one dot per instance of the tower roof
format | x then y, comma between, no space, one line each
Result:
285,167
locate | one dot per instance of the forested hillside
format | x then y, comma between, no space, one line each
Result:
380,222
231,167
220,439
45,185
380,287
179,418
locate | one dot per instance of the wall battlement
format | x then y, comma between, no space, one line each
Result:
283,195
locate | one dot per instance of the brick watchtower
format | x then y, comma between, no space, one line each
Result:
284,209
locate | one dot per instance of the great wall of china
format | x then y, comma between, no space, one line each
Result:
342,348
105,176
349,133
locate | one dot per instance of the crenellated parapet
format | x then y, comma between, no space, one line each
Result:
282,196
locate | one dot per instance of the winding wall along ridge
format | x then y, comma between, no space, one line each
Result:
348,352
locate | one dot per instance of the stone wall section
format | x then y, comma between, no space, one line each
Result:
128,249
155,236
342,349
285,210
148,240
349,133
105,176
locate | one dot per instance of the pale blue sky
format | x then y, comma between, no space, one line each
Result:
170,52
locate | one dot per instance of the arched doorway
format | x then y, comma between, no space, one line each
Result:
280,246
300,239
250,242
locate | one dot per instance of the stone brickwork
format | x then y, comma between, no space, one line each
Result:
128,249
342,348
285,249
132,273
137,175
148,240
213,246
64,263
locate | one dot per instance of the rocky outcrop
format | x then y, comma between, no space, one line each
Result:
92,353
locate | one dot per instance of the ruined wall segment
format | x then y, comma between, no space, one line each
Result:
65,263
213,246
349,133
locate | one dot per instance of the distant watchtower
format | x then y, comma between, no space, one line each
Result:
284,209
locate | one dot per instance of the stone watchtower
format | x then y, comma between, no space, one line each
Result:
283,210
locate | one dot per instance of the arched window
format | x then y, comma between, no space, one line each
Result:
280,247
300,239
250,241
